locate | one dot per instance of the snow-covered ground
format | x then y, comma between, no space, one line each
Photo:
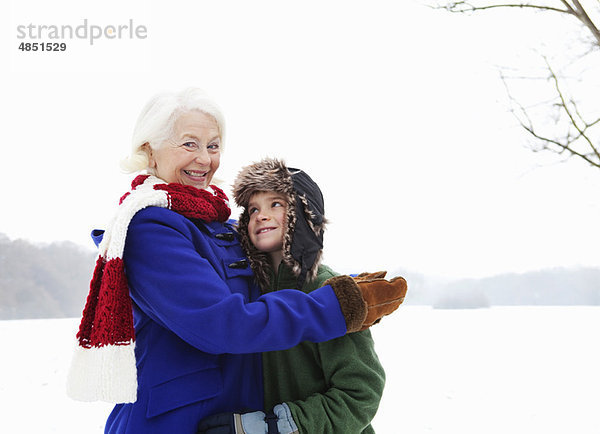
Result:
499,370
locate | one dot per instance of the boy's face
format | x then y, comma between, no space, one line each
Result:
267,224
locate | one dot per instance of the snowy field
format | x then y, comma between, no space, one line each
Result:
499,370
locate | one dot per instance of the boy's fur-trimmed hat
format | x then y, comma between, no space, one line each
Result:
303,237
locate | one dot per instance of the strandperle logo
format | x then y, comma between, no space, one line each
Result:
89,32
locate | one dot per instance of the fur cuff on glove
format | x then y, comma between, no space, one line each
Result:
351,301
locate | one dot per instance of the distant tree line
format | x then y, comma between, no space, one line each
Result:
52,281
550,287
43,281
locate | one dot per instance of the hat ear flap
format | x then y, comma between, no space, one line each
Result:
314,218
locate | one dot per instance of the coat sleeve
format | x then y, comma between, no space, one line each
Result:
181,290
356,380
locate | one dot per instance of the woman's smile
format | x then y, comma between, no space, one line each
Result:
195,173
195,176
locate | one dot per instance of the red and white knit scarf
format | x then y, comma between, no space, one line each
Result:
104,366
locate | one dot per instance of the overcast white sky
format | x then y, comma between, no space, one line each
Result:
394,109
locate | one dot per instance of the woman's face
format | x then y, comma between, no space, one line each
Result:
192,155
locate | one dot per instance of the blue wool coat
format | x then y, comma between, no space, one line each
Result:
200,323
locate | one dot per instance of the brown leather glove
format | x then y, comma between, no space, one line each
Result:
364,300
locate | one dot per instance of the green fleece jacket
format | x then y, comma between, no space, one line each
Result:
330,387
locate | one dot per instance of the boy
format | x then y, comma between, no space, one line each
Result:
327,387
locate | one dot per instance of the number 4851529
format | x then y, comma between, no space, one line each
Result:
42,46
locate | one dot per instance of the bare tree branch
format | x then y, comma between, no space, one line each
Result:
570,141
461,7
565,107
576,10
586,20
579,137
568,6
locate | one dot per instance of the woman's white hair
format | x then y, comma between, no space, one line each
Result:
155,123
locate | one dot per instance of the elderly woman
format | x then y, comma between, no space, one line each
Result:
173,322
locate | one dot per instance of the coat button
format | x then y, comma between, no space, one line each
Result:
239,264
226,236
